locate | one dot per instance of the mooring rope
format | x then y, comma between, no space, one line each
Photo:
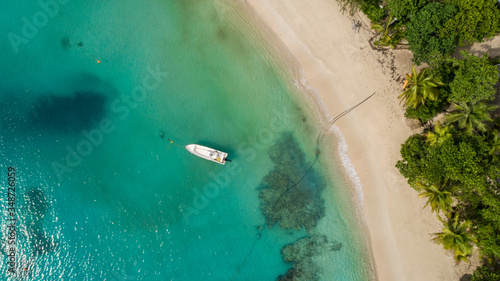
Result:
174,143
320,138
162,135
247,256
296,184
342,114
260,235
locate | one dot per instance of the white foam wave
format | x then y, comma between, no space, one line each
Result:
310,92
351,173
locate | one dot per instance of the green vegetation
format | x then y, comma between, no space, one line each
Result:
425,32
424,95
440,135
420,88
475,20
454,165
438,196
425,112
472,117
485,273
474,79
389,35
456,236
494,142
432,28
372,9
494,61
454,171
404,9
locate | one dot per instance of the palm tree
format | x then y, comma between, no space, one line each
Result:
438,196
420,87
389,37
455,236
441,134
471,116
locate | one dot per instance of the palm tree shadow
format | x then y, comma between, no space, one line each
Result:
490,46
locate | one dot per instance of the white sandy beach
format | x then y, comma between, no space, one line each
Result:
340,64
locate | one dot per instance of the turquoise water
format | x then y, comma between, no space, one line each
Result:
91,94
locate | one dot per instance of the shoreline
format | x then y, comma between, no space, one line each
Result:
335,68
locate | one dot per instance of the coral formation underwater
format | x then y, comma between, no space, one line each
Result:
302,254
291,193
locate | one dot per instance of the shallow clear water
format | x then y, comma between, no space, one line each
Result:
102,194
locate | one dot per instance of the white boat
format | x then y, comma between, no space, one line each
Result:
207,153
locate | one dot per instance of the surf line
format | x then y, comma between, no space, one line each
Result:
320,138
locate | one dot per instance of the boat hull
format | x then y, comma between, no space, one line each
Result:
207,153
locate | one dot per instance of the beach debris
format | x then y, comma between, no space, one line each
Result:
406,81
303,253
356,25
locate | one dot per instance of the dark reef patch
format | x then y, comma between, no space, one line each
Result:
291,193
302,253
37,202
73,113
37,207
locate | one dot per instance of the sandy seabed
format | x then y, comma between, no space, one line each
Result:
336,67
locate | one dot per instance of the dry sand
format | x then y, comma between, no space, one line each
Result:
344,69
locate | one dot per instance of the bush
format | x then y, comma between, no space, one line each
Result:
404,9
372,10
351,6
443,69
413,152
424,112
484,273
474,80
476,20
425,32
